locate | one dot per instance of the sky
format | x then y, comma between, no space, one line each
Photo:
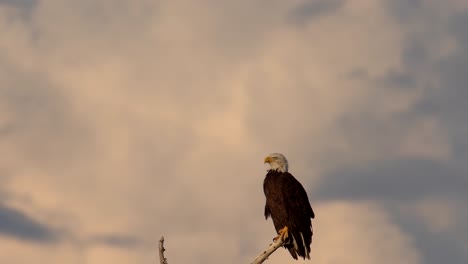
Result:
125,121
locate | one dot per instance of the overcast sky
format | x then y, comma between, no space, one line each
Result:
123,121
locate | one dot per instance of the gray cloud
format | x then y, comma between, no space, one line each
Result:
395,180
115,240
19,3
23,8
38,118
16,224
404,10
445,96
312,9
435,247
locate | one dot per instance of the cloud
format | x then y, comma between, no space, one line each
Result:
307,11
23,8
20,3
115,240
433,222
413,164
398,180
421,196
16,224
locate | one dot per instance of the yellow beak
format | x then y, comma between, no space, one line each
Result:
268,159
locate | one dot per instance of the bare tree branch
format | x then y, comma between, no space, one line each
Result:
260,259
271,248
162,259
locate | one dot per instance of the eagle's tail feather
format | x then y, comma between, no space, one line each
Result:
296,248
293,252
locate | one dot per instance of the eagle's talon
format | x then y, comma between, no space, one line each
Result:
282,234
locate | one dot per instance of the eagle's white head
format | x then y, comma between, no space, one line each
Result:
277,162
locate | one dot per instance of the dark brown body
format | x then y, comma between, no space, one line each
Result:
288,205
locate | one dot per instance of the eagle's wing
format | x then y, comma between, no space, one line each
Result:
296,198
299,214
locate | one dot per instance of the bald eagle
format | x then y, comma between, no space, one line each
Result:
288,205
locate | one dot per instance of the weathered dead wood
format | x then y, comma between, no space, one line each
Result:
162,259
